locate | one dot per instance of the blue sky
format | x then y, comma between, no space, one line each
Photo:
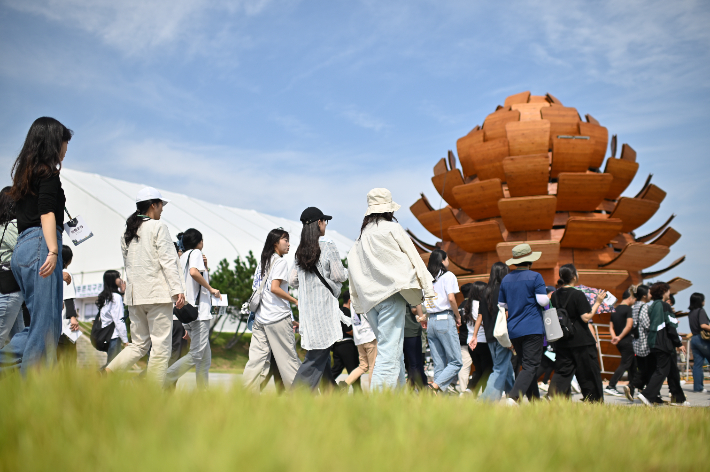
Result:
278,105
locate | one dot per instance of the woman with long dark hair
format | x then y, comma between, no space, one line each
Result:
153,283
386,273
501,379
272,333
644,362
318,275
110,304
11,300
699,323
481,357
37,261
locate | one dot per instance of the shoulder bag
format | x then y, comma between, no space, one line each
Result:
101,337
500,332
255,300
8,283
557,323
189,313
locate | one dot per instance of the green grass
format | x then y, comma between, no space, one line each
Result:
74,420
233,360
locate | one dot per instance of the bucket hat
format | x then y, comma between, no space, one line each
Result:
379,200
523,253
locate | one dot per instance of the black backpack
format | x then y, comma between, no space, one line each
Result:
565,323
101,337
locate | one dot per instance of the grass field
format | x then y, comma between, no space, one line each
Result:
74,420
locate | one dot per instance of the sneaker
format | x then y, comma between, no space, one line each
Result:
510,402
465,393
575,386
685,403
542,386
451,390
628,393
612,391
644,400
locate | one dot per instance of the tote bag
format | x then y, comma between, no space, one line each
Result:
553,330
500,332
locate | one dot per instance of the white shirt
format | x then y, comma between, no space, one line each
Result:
471,326
69,293
362,331
191,285
112,312
273,308
443,286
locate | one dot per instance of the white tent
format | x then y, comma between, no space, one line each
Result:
105,203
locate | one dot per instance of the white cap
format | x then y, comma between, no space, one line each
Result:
149,193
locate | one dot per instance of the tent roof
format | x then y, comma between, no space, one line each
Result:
105,203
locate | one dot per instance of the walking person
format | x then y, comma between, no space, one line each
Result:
443,319
366,343
11,320
199,293
576,356
464,334
318,275
523,294
272,333
37,261
501,379
153,283
622,321
412,347
66,347
345,354
478,350
110,305
386,273
645,363
699,325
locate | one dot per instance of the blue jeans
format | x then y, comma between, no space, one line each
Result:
199,357
43,296
701,353
11,321
501,378
445,347
114,347
387,321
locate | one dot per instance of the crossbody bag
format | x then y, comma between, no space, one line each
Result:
189,313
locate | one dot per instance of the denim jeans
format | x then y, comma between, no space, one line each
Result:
445,347
114,347
501,378
11,321
37,343
387,321
199,356
701,353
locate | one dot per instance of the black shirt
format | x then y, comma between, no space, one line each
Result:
619,317
463,329
577,305
697,317
48,197
346,329
412,328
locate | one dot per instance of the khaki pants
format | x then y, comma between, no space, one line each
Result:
465,372
367,353
277,338
149,324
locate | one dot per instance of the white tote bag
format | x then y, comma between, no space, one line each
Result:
553,330
500,332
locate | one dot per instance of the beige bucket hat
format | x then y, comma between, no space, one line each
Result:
523,253
379,200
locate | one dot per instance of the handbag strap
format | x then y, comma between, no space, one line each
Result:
199,290
262,285
322,279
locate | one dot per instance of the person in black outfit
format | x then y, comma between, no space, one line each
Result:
480,354
577,355
699,325
677,395
622,321
412,347
345,353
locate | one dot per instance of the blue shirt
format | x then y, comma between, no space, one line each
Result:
518,290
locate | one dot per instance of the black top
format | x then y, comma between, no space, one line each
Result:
619,317
412,328
697,317
48,198
346,329
489,319
463,329
577,305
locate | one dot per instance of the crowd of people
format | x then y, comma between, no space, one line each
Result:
395,307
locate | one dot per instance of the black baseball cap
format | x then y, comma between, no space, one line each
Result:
312,214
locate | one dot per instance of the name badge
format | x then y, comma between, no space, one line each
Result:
442,317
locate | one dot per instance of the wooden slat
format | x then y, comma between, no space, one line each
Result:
527,175
538,99
591,119
530,111
469,279
563,121
417,241
645,186
602,279
646,238
494,126
590,233
437,222
657,273
476,262
421,206
592,258
600,135
668,238
623,172
480,199
528,137
621,240
581,192
528,213
548,260
571,155
637,256
628,153
444,184
465,148
477,237
440,167
486,159
677,284
654,193
521,97
634,212
552,99
539,235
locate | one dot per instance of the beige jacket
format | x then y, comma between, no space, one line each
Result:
153,273
383,262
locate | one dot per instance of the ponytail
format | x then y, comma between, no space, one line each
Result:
134,222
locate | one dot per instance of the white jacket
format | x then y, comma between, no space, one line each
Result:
383,262
153,273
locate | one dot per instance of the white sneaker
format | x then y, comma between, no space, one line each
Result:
613,391
575,386
542,387
685,403
511,402
644,400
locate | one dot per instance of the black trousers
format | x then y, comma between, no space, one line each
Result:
674,380
414,362
628,362
315,367
179,345
529,350
547,365
483,362
583,362
645,366
652,392
345,356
